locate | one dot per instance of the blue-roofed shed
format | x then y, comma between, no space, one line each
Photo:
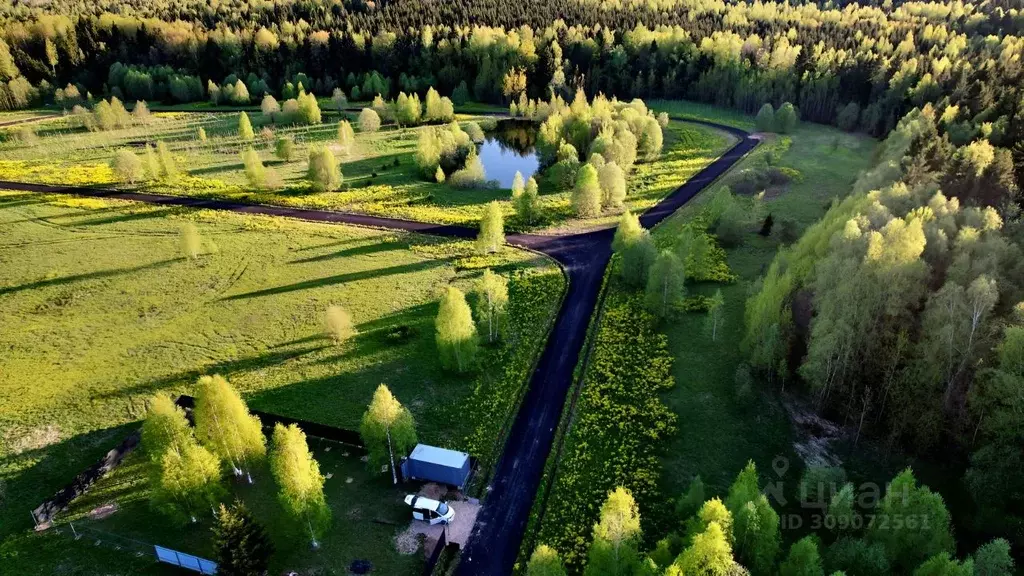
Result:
433,464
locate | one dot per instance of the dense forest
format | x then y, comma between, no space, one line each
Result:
860,66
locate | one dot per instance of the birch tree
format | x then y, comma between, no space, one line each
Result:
225,426
492,229
665,284
387,428
346,137
545,561
301,486
491,300
616,536
715,315
245,127
455,331
188,480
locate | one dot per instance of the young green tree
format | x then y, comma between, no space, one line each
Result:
461,94
127,166
586,196
439,175
284,148
786,118
369,121
492,229
299,480
339,100
545,561
152,163
665,284
323,172
187,481
613,185
309,109
224,424
270,107
339,324
165,428
190,241
387,428
140,113
526,201
715,314
765,121
711,511
408,109
909,546
491,300
346,137
245,128
255,173
201,134
709,554
803,559
690,503
637,259
756,529
168,167
243,545
943,564
994,559
616,536
455,331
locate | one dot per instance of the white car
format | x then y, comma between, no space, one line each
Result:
429,510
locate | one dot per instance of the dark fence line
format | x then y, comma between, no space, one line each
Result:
268,420
60,501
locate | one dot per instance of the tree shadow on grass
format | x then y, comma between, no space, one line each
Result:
225,368
370,247
20,200
130,217
216,168
340,279
86,276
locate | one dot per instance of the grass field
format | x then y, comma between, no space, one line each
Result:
101,310
373,182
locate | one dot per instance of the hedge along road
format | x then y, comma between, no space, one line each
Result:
494,543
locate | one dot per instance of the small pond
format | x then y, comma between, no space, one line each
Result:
508,149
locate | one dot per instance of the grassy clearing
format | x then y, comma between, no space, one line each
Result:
373,182
101,310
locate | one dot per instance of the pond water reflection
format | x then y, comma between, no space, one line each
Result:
508,149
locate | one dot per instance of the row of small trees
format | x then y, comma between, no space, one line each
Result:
662,274
783,120
910,533
188,465
456,333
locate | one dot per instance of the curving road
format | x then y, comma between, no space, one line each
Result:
494,544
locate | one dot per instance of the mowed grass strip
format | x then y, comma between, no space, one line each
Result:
101,310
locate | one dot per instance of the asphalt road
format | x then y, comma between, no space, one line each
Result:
494,543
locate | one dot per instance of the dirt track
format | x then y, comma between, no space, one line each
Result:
494,543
